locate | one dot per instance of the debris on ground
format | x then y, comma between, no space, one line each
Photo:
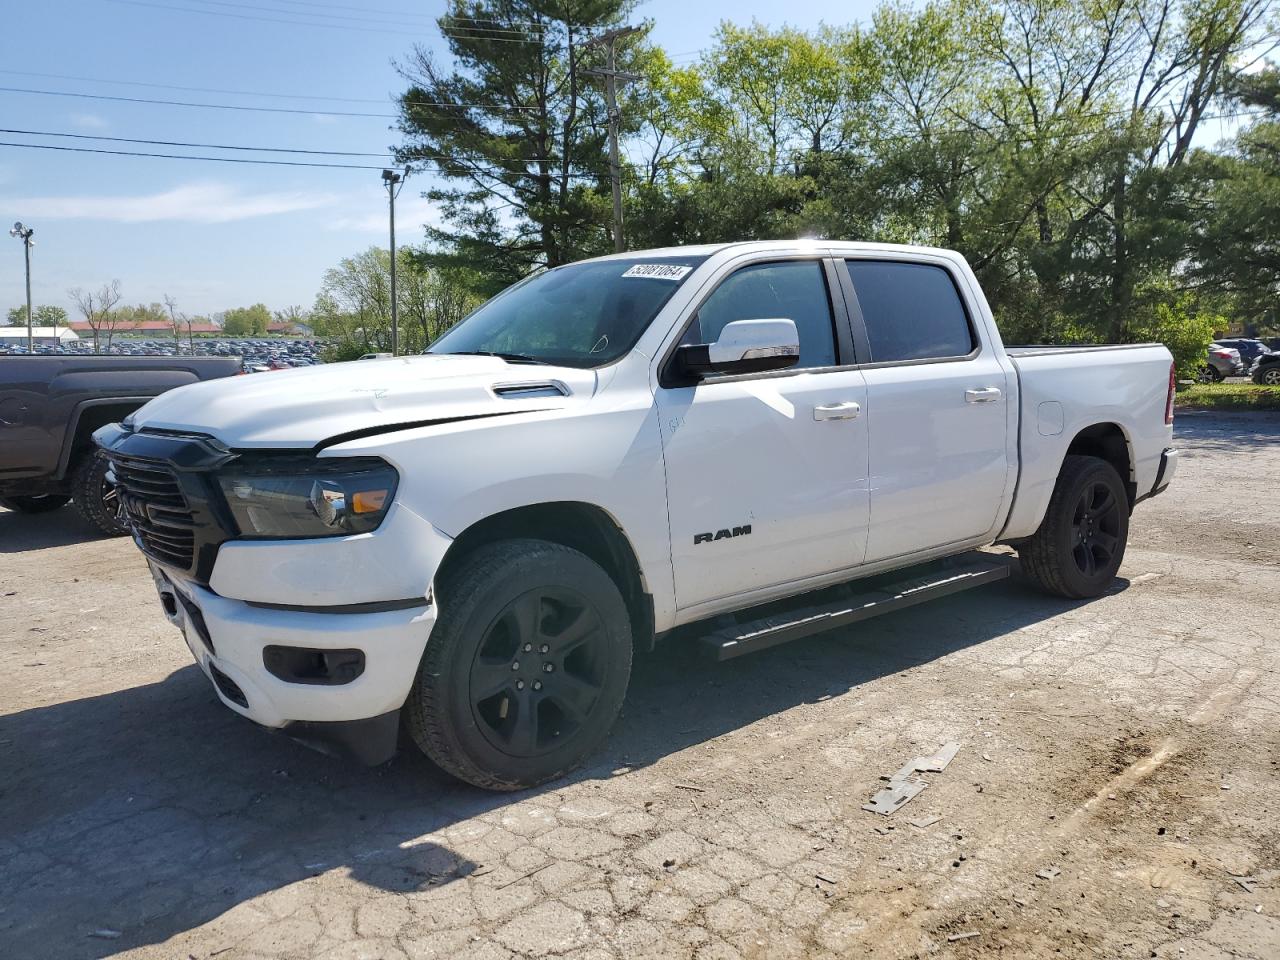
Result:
1048,873
904,785
963,936
892,797
923,822
105,934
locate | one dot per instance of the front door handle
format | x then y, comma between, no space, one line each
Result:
982,395
848,410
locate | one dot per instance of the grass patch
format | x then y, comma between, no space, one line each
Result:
1228,396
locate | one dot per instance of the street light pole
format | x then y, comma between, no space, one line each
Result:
24,234
394,182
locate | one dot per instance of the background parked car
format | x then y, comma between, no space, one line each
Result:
1222,362
1250,348
1266,369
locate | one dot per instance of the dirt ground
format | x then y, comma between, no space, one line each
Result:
1128,747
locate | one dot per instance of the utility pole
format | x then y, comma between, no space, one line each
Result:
24,234
395,183
611,76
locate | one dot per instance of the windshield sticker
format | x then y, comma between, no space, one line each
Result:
659,271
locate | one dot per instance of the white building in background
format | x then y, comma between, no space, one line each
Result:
45,336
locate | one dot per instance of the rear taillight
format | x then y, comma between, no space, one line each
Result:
1221,354
1168,403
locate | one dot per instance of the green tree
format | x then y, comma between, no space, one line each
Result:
246,321
1238,245
42,315
354,303
516,130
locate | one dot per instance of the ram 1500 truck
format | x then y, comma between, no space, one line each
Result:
471,542
49,408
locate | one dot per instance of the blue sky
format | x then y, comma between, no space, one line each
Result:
217,235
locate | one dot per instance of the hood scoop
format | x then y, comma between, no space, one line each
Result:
527,389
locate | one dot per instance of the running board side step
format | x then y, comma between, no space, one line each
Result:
960,573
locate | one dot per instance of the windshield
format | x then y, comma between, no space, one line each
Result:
585,314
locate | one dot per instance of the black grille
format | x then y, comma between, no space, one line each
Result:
156,509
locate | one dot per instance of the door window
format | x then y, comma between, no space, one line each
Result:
794,290
912,311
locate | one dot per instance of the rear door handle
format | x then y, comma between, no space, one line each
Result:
848,410
982,395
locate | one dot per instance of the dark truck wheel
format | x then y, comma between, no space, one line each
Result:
526,669
95,498
1080,543
50,501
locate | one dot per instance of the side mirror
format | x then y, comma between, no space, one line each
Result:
744,346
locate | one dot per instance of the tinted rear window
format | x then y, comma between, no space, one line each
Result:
912,311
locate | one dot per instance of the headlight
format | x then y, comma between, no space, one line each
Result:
308,498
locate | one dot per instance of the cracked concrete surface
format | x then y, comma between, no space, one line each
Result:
1131,742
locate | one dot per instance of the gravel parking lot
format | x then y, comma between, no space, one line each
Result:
1128,749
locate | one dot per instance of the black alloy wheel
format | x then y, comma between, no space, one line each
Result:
539,671
1096,528
526,667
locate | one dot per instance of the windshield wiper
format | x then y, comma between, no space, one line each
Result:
509,357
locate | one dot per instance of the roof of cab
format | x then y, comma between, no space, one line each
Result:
748,246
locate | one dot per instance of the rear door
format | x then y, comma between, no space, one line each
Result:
937,402
767,473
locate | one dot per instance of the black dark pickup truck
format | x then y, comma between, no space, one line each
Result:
49,408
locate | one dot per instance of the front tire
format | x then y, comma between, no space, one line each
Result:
1080,543
1269,376
526,668
41,504
95,498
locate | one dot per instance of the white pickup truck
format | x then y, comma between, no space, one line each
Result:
748,441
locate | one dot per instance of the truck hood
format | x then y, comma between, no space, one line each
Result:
307,406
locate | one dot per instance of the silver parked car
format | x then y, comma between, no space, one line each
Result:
1221,362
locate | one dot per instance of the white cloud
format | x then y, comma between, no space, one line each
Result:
411,213
202,202
89,121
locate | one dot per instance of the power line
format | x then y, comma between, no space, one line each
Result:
245,16
341,6
170,86
176,156
438,161
289,20
223,146
234,106
311,10
200,146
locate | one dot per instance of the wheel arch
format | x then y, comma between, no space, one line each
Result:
87,417
585,527
1110,442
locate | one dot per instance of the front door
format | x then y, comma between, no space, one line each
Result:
766,473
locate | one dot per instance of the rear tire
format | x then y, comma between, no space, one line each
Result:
526,668
1080,543
1210,374
1270,376
95,498
42,504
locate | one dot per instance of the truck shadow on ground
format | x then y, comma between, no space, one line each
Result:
153,810
24,532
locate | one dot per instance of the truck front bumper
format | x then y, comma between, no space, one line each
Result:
334,680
